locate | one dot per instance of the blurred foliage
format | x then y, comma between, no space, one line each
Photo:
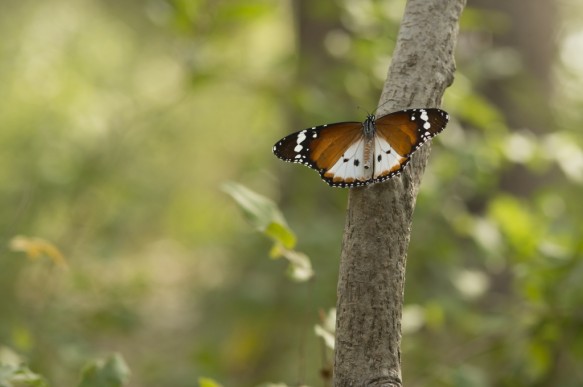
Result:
264,215
207,382
19,376
15,373
109,372
122,120
36,248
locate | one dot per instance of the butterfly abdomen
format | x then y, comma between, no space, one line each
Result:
368,153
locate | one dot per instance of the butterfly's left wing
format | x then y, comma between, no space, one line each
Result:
400,134
336,151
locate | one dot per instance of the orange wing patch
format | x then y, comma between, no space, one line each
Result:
332,142
408,129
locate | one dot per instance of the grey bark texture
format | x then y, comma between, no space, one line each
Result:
378,223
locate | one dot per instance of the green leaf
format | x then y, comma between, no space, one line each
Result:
244,11
14,373
281,234
327,336
262,213
110,372
274,385
540,358
279,385
208,382
434,315
467,375
20,376
9,357
266,217
478,111
300,267
517,222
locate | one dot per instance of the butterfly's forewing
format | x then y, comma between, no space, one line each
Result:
407,130
400,134
333,150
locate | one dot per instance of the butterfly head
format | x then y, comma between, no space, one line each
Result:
368,126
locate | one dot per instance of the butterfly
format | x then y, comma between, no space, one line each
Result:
354,154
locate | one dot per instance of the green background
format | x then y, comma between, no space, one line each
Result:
120,121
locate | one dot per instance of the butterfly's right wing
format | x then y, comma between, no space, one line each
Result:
406,130
401,133
336,151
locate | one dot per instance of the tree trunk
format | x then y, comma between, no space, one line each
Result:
378,224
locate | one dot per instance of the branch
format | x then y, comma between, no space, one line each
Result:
378,224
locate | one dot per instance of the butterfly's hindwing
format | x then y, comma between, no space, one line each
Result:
351,168
387,162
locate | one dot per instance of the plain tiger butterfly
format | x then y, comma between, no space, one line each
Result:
353,154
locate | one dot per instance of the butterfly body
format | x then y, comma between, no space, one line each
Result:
353,154
368,132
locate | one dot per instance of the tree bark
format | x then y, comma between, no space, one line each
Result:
378,224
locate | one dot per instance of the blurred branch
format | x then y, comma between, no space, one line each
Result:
37,247
378,224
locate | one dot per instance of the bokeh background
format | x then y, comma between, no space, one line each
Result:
120,121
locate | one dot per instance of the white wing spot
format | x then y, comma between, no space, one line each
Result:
424,115
301,137
426,125
298,148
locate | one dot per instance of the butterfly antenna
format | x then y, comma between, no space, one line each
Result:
366,111
381,105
